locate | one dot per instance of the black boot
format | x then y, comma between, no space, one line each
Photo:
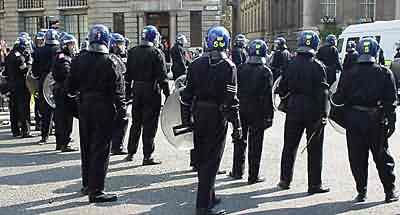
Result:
392,196
208,211
235,176
84,191
150,161
67,148
102,197
317,189
255,180
283,185
361,197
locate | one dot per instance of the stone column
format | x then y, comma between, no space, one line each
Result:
172,27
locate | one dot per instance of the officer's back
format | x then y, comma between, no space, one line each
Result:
144,64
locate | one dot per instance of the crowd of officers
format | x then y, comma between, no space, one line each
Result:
97,84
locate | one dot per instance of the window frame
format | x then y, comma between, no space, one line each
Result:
325,6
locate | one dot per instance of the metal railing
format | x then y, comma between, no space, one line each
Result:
72,3
30,4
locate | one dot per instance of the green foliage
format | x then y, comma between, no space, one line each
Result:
327,29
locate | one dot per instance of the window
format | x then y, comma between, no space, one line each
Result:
1,4
119,23
28,4
76,25
328,8
195,29
72,3
33,24
368,8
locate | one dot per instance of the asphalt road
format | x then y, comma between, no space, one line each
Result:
35,179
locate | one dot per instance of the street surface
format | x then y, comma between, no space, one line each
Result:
36,179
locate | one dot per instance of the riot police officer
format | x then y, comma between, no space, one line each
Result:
255,82
147,69
39,43
178,56
18,64
397,55
84,47
211,96
39,39
43,62
329,55
368,93
305,85
351,56
101,86
239,54
280,57
118,47
64,111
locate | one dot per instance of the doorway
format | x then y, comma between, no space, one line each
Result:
161,21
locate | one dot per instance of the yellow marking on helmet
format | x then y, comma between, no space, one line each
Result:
220,38
366,47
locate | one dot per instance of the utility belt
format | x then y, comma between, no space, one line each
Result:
96,96
147,84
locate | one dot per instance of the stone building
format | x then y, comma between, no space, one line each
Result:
270,18
190,17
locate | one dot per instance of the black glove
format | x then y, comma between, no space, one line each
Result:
267,123
321,123
391,124
186,116
237,133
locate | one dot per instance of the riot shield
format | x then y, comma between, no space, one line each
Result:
336,112
31,83
180,137
48,90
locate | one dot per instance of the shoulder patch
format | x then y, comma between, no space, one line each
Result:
17,54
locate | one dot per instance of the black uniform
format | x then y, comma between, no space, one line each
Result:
256,113
18,64
36,101
179,61
305,82
210,95
121,123
350,60
147,69
64,111
101,88
280,61
239,55
329,55
43,61
369,94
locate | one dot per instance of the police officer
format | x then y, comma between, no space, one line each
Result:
118,47
178,56
368,93
397,55
305,84
351,56
101,86
147,69
39,43
255,82
18,65
239,54
64,105
43,62
329,55
280,57
211,91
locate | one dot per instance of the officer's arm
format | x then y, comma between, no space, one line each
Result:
187,96
323,90
230,106
60,69
283,88
390,93
130,69
268,105
119,91
163,77
36,65
337,59
72,81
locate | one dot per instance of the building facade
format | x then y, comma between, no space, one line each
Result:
270,18
128,17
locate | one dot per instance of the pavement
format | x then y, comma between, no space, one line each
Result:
35,179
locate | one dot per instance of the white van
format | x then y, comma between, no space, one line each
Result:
387,34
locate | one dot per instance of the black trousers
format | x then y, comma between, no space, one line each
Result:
12,105
365,134
255,137
46,113
21,100
294,128
146,108
95,115
37,111
63,117
119,132
210,130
